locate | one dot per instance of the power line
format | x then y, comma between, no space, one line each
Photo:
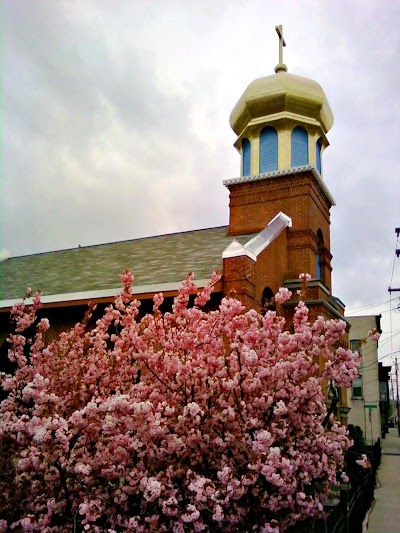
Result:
381,359
352,309
395,308
392,336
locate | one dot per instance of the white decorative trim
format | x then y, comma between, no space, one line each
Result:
259,242
235,249
286,172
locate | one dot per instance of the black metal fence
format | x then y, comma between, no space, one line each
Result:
349,503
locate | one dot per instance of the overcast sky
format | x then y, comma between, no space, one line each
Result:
116,122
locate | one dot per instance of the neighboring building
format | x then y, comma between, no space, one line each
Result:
384,397
364,396
279,222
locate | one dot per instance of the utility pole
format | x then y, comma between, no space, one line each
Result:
397,395
397,289
397,253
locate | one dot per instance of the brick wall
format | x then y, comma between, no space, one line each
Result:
272,266
254,204
239,280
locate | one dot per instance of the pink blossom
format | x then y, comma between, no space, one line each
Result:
158,300
218,515
151,487
44,324
191,514
364,461
374,335
269,528
263,441
127,278
283,295
82,469
344,477
145,419
192,410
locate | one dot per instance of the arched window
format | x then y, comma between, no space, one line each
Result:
268,150
318,265
320,245
318,155
299,147
246,155
267,300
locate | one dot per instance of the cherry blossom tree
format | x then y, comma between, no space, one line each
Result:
188,420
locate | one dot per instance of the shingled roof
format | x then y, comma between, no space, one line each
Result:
154,261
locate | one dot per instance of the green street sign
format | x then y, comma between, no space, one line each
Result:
370,406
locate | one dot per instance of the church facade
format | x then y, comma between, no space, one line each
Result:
279,223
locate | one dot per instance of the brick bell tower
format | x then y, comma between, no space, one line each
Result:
281,199
281,122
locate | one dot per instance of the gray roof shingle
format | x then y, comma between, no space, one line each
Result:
160,259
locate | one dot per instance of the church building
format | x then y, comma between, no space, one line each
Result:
279,223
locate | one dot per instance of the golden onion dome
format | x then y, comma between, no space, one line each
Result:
281,94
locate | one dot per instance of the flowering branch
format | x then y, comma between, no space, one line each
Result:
179,420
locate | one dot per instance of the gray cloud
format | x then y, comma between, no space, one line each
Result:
116,120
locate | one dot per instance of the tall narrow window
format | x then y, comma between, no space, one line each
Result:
267,300
357,387
299,147
268,150
318,266
318,155
320,254
246,156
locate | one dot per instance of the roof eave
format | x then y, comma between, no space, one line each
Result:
106,295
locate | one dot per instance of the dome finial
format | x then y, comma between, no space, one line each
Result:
280,67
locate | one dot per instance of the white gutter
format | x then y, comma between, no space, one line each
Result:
104,293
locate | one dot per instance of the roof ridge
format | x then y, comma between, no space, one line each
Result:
115,242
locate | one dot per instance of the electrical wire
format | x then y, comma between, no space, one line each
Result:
367,306
383,342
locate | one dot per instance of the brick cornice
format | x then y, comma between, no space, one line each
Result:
277,175
322,303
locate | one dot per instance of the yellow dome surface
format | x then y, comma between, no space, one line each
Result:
281,93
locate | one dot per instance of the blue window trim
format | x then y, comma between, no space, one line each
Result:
299,149
318,147
246,157
268,150
318,266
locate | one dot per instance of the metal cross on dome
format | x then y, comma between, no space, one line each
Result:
279,31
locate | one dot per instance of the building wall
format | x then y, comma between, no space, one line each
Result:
254,204
367,419
271,267
239,280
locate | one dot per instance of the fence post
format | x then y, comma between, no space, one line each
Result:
344,506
